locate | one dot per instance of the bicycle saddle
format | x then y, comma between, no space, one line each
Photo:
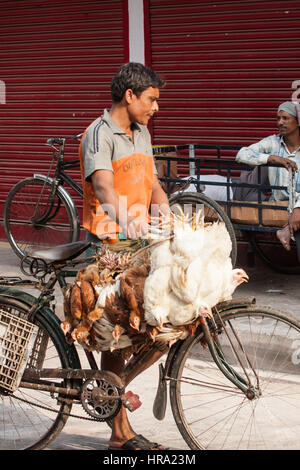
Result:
60,252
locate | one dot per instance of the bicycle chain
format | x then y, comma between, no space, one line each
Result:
70,415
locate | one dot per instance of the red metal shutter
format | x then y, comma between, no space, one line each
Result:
228,64
57,59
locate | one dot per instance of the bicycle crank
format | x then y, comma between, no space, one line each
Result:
101,399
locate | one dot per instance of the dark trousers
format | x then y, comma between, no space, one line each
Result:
251,177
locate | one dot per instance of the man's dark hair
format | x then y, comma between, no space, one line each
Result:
136,77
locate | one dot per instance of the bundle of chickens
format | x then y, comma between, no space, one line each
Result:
161,293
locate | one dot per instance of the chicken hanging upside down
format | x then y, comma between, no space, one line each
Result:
160,293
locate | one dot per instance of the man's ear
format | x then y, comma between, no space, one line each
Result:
129,95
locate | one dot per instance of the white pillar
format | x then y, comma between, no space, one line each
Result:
136,31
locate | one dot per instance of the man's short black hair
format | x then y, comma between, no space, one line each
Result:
134,76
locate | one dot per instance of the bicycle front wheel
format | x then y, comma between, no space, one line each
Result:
212,413
29,418
36,217
213,212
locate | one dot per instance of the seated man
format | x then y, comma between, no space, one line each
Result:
283,149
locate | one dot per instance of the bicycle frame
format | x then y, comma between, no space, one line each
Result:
58,180
60,175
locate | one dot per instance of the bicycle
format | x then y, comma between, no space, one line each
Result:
233,394
39,212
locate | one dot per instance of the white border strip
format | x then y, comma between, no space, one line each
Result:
136,31
2,92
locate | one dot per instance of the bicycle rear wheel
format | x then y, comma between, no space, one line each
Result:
35,218
212,212
25,421
212,413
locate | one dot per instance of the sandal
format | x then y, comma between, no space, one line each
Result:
139,442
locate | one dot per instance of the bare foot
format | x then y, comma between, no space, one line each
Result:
284,236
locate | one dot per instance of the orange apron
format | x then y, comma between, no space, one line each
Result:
133,181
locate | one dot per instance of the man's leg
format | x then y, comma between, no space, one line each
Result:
121,429
284,236
251,177
251,194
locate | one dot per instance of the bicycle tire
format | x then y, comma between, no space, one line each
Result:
213,211
270,250
27,227
212,413
25,426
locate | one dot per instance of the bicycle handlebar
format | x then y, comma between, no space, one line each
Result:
54,140
61,140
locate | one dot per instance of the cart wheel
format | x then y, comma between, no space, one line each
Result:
267,246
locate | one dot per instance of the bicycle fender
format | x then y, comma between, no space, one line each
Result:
64,194
28,301
234,304
161,398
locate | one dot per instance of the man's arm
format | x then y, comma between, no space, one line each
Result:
261,153
158,194
159,200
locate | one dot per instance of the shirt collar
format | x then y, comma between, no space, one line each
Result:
282,142
114,126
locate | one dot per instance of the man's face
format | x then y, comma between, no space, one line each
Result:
287,124
142,108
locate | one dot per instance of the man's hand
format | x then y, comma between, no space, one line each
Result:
137,228
283,161
294,221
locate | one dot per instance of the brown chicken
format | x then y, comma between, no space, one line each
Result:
132,290
75,301
88,298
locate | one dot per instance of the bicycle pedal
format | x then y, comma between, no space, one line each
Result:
132,401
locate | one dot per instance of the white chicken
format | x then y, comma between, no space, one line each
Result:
182,313
156,296
204,275
156,289
200,276
161,255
